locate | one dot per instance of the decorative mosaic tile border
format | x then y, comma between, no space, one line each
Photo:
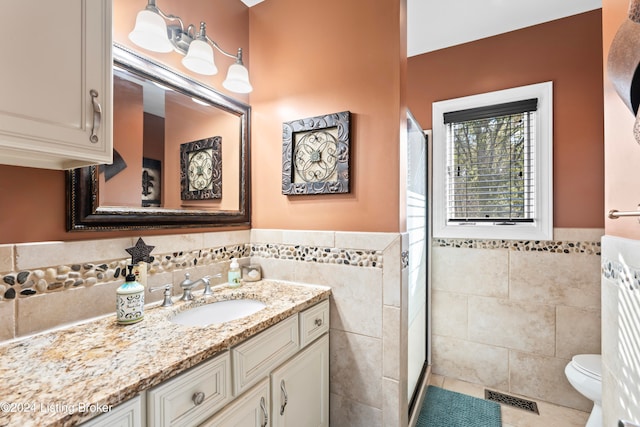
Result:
55,279
325,255
560,247
626,276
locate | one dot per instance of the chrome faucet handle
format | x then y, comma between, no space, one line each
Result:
187,283
207,284
168,293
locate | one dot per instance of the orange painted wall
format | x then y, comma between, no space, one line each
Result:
35,198
622,158
316,57
566,51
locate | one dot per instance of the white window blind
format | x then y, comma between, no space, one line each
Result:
491,163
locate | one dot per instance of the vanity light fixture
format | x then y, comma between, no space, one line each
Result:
151,32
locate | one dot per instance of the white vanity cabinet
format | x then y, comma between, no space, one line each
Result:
55,83
280,377
298,380
300,388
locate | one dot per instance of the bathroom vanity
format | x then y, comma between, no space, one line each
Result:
270,368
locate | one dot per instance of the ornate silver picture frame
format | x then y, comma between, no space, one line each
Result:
315,155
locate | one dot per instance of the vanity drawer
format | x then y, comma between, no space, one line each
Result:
314,322
192,396
257,357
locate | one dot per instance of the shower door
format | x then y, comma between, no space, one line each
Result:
417,208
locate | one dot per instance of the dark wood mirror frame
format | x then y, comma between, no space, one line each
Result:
83,210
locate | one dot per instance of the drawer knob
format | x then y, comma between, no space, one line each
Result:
318,322
198,398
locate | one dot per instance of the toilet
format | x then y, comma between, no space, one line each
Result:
584,372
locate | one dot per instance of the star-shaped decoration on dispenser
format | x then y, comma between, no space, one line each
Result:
140,252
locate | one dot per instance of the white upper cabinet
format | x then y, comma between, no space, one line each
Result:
55,83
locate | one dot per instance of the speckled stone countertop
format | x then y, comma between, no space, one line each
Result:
46,378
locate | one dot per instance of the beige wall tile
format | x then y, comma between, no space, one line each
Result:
577,331
259,235
391,349
355,367
393,273
346,412
309,238
273,268
578,234
6,258
543,378
515,325
449,314
368,241
393,404
471,271
174,243
39,312
356,295
469,361
7,319
222,238
45,254
558,279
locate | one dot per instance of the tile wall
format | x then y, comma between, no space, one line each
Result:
67,282
620,330
511,314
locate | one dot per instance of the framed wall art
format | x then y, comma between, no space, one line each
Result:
201,169
151,182
315,155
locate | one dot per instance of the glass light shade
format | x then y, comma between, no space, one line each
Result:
199,58
237,79
150,32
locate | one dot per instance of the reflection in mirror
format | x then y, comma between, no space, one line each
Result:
180,155
164,120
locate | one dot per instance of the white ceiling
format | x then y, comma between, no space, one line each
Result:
436,24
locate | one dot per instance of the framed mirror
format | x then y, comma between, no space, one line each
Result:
181,155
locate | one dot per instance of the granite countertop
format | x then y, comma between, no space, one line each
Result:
50,379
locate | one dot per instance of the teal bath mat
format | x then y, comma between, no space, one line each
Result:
444,408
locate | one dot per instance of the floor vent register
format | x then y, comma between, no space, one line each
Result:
516,402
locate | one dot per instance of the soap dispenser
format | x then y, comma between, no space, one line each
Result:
234,273
130,300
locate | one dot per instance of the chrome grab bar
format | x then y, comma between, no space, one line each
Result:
615,214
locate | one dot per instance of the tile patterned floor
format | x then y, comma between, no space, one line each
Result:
550,415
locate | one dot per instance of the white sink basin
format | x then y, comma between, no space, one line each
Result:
218,312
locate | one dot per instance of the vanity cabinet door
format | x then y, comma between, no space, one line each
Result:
249,410
300,388
55,81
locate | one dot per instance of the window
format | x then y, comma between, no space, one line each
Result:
493,165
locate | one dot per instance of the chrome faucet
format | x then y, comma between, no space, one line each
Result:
187,286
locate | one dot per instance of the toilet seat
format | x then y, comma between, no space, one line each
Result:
589,365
